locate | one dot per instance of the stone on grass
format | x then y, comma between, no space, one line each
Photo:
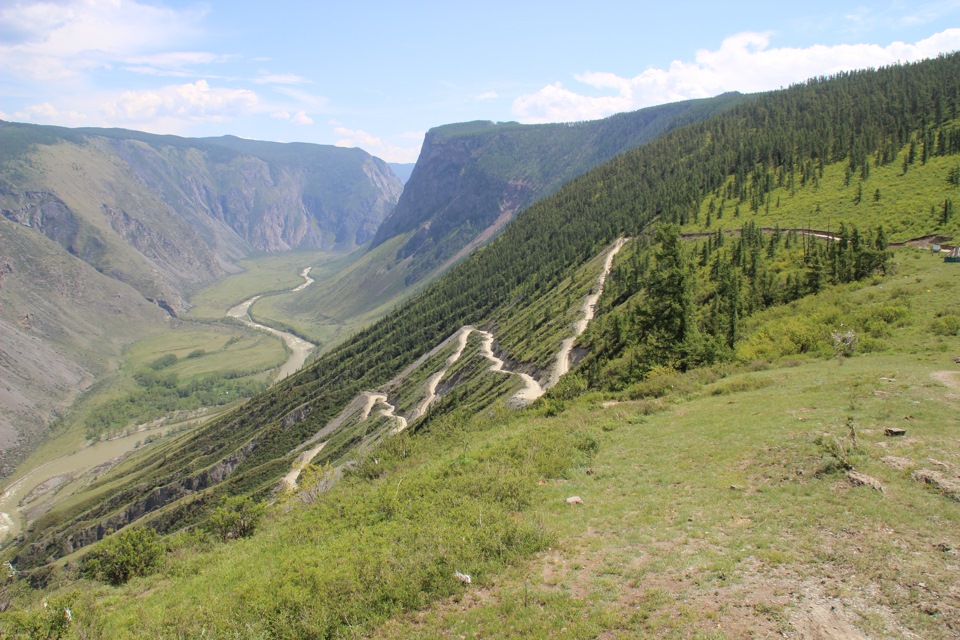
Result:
863,480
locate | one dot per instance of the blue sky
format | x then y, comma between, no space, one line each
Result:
377,75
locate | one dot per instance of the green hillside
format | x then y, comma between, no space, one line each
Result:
731,394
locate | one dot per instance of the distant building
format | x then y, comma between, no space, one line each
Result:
953,256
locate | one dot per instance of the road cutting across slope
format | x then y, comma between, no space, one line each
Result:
364,403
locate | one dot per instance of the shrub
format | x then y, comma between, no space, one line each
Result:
163,362
946,325
50,621
196,353
236,517
121,556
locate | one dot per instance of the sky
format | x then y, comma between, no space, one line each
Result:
378,75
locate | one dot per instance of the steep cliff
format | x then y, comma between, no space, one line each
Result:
472,178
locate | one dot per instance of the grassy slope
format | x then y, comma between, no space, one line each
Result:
903,208
716,511
718,516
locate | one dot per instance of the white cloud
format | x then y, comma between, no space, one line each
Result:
376,146
54,45
487,95
188,103
744,62
66,38
300,117
46,113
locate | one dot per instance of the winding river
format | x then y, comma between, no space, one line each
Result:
300,349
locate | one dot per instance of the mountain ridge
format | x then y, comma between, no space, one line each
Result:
470,175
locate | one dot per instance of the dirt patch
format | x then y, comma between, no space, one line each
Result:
898,463
863,480
817,622
950,379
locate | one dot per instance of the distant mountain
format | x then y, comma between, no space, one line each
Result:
402,170
470,181
165,214
134,217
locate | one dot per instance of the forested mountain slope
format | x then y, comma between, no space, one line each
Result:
851,118
473,177
470,181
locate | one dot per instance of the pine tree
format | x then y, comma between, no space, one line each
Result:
668,313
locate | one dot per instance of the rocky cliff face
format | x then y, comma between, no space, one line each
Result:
472,178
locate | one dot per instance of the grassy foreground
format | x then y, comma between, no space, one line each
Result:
716,504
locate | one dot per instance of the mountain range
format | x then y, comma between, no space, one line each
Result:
605,273
167,215
139,218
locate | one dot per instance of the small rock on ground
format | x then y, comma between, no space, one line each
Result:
862,479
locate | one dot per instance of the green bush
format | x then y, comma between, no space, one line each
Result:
121,556
196,353
236,517
946,325
51,621
163,361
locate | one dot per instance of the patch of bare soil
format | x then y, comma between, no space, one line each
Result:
945,484
817,622
951,379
